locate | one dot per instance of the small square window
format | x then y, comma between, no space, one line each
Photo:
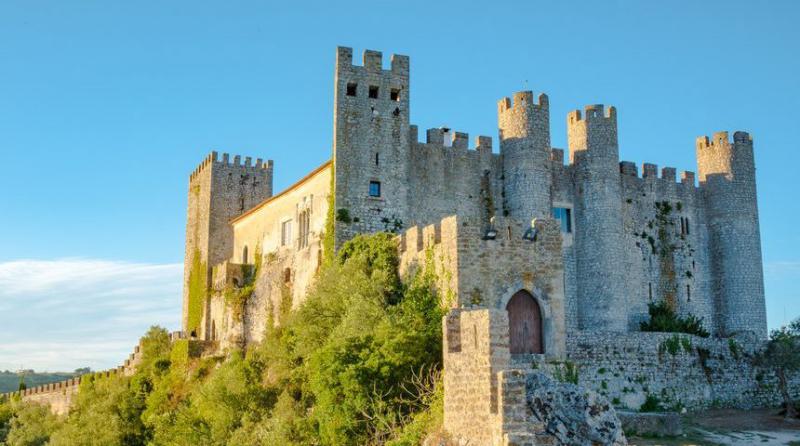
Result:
373,92
395,94
352,88
374,188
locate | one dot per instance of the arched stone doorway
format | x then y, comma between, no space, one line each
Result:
524,324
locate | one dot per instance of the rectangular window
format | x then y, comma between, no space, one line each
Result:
374,188
304,224
286,233
564,215
373,92
352,88
395,94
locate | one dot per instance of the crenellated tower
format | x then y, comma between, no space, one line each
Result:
594,153
219,190
370,144
728,185
525,146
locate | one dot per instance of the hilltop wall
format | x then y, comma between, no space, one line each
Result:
59,395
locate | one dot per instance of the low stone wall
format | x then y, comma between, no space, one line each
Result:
59,395
674,371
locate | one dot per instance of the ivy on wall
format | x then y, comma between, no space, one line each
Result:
198,292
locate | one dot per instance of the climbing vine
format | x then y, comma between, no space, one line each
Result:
198,292
328,237
236,297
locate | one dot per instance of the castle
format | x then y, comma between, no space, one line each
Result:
607,239
545,265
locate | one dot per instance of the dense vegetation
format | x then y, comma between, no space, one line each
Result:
782,355
664,319
358,363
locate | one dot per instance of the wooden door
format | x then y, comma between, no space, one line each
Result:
525,324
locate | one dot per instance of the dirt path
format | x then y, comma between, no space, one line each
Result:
732,428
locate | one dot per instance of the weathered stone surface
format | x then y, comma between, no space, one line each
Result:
573,415
651,423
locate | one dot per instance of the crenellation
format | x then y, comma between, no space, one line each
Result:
373,60
687,177
669,174
400,64
460,140
650,170
483,144
628,168
435,136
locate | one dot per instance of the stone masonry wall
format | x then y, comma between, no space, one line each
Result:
679,370
288,265
479,273
220,189
475,350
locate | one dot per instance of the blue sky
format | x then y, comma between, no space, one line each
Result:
106,106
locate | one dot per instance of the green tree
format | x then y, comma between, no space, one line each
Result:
31,425
782,354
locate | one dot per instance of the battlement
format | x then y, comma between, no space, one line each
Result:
235,161
593,113
447,137
372,61
721,139
720,157
650,171
523,100
419,238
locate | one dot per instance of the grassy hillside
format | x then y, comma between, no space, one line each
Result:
9,381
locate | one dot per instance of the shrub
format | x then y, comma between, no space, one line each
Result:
651,404
664,319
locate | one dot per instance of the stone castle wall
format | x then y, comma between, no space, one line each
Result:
59,395
679,370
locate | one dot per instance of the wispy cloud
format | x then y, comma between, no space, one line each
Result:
68,313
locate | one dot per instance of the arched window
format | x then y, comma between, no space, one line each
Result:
244,255
525,324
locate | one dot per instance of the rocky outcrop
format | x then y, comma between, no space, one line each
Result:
573,415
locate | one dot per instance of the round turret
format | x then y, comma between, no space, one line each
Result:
525,145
